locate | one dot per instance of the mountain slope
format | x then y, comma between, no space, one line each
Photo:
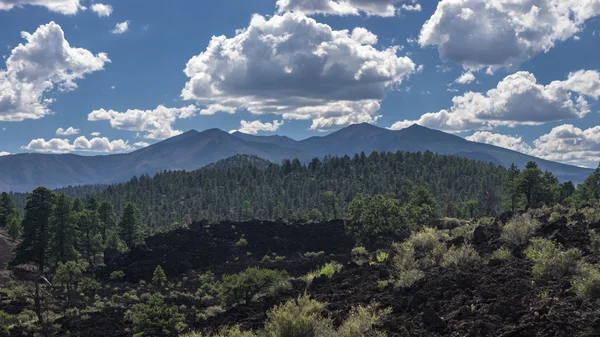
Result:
193,150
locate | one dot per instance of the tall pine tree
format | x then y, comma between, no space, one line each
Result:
130,229
7,209
63,232
107,220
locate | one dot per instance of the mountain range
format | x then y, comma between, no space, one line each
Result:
192,150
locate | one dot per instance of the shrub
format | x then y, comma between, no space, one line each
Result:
314,254
242,243
406,267
210,312
266,259
554,217
519,230
502,254
382,257
297,318
591,214
361,322
327,270
587,283
251,284
594,241
360,255
464,231
117,275
89,284
158,277
427,239
156,318
460,256
6,323
550,261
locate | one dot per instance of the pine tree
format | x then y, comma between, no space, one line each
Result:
530,183
14,228
67,274
90,239
107,219
130,225
512,175
158,277
63,232
77,206
7,209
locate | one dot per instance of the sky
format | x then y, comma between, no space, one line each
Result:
87,77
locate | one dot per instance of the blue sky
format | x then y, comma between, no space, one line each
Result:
288,67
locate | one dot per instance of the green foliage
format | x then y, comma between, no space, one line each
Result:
361,322
549,261
502,254
210,312
159,278
155,318
460,256
589,191
15,230
250,284
519,230
587,282
117,275
406,267
360,255
63,232
34,243
130,228
465,231
428,239
67,274
375,219
8,210
314,254
382,256
594,241
327,270
6,323
298,318
329,199
242,243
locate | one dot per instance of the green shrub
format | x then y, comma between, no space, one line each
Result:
361,322
464,231
210,312
298,318
117,275
327,270
594,241
460,256
156,318
406,268
519,230
381,257
266,259
159,278
360,255
6,323
550,261
587,283
89,284
242,242
502,254
554,217
427,239
252,283
485,221
591,214
314,254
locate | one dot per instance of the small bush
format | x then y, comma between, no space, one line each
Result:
460,256
327,270
464,231
550,261
360,255
252,283
519,230
159,278
89,284
210,312
266,259
427,239
156,318
594,241
314,254
591,214
381,257
296,318
554,217
361,322
587,283
117,275
242,242
502,254
406,267
6,323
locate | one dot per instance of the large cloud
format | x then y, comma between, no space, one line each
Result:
565,143
290,65
347,7
156,124
33,69
254,127
57,145
67,7
502,33
517,100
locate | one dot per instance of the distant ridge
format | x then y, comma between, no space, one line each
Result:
193,150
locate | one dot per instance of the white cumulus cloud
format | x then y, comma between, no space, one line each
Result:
67,7
45,62
505,141
57,145
347,7
68,132
121,28
254,127
4,153
95,134
102,9
141,144
465,78
155,124
517,100
293,66
502,33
